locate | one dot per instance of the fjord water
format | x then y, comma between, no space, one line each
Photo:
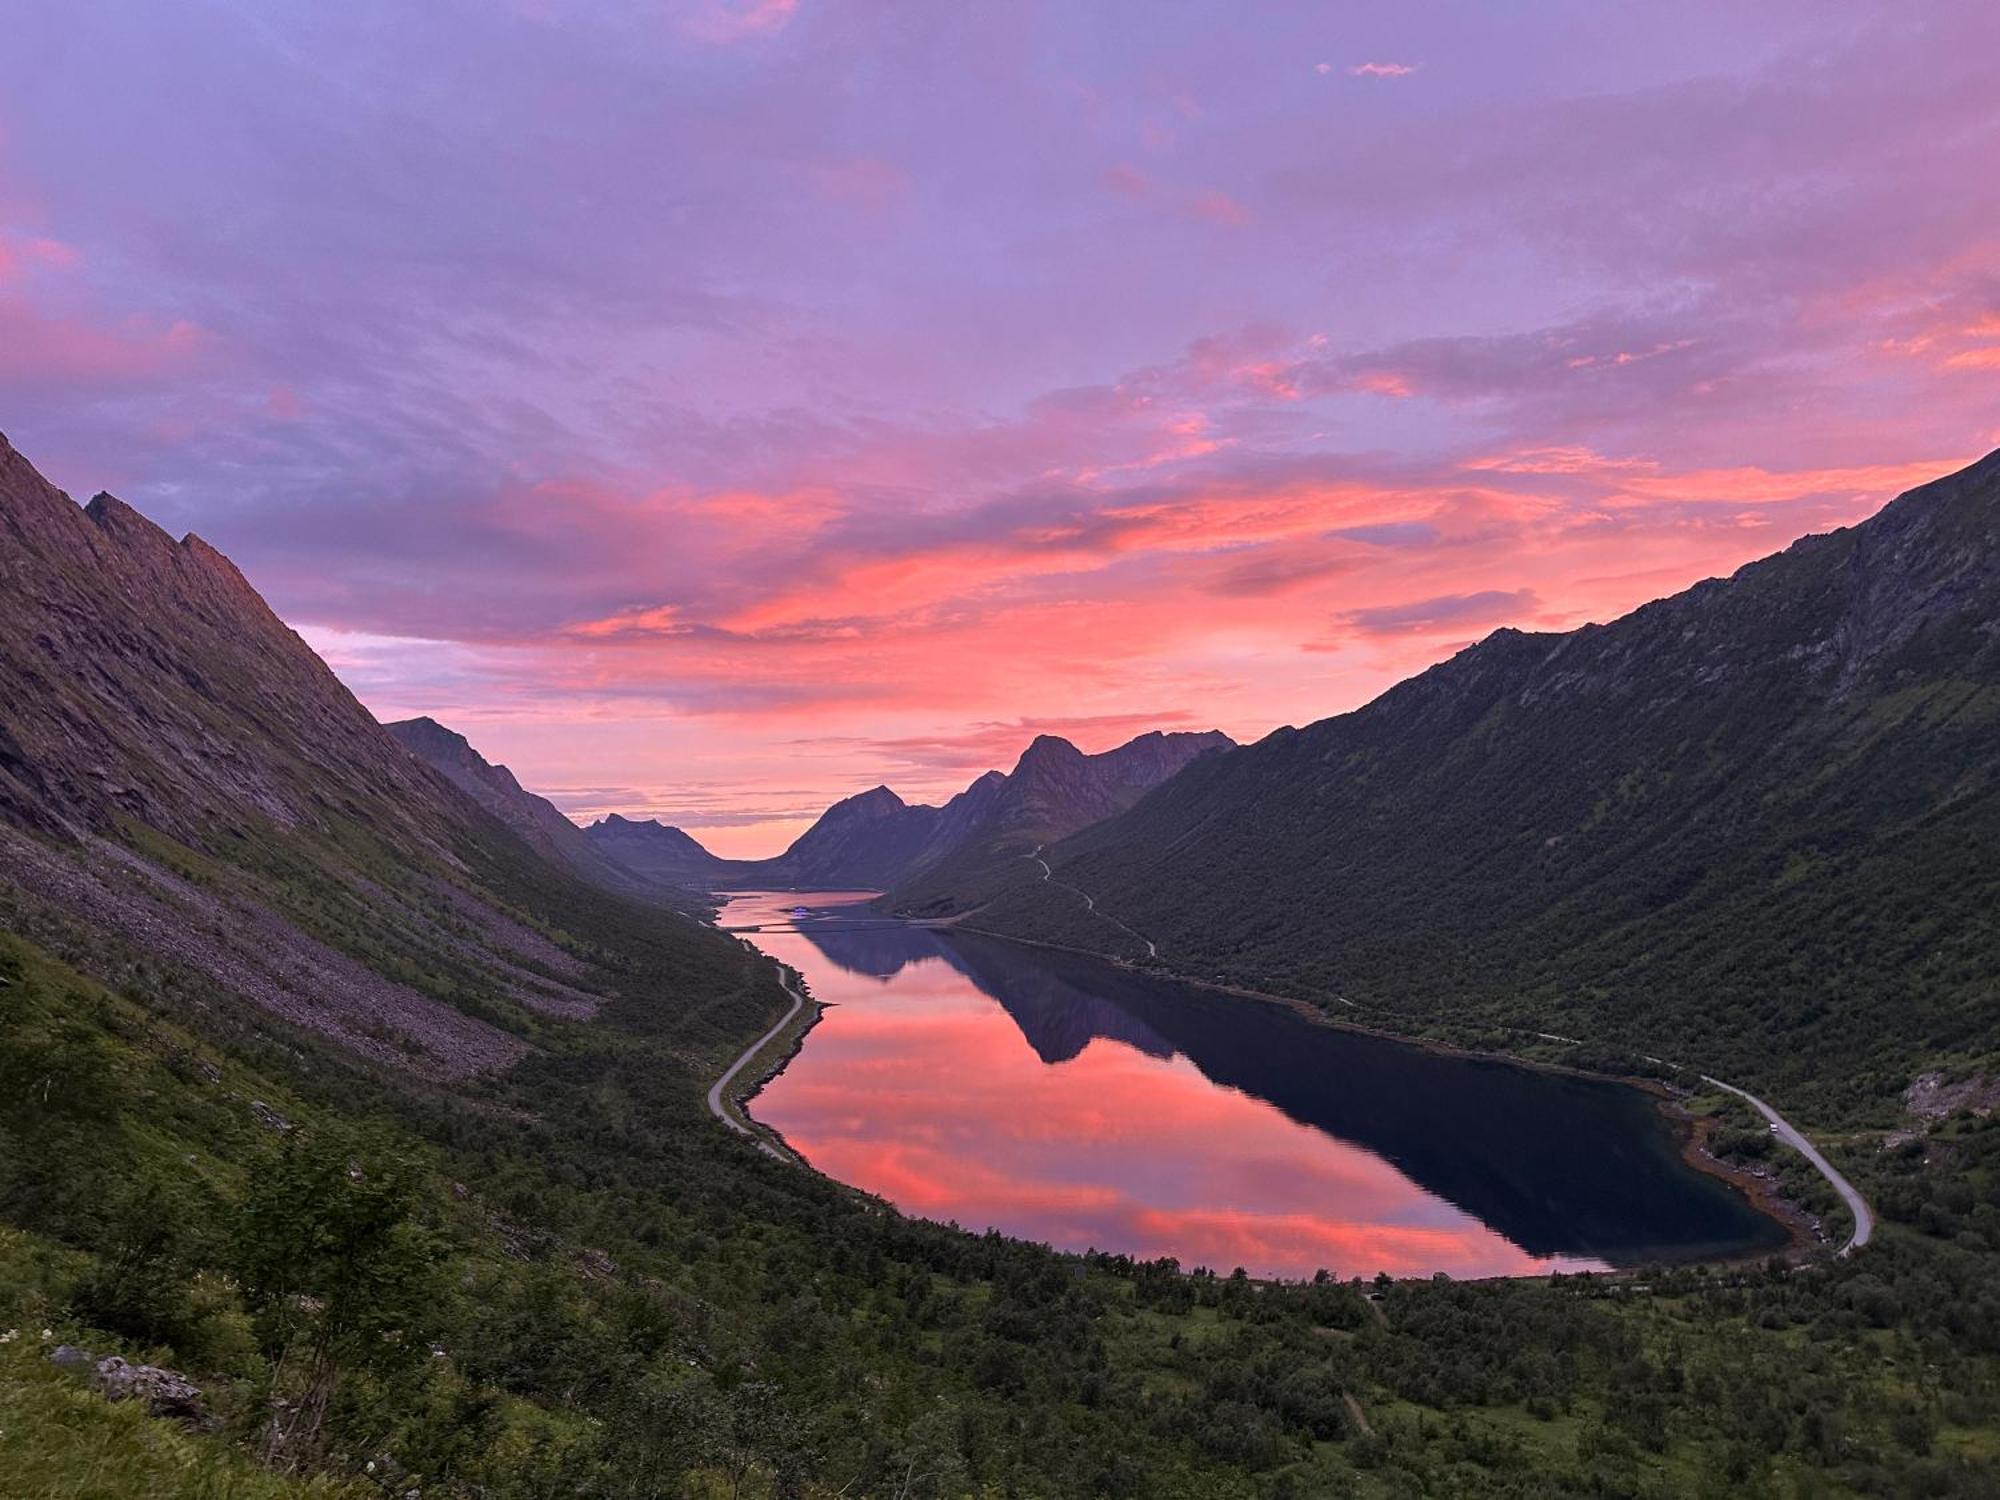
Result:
1057,1098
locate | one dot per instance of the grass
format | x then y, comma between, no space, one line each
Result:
60,1440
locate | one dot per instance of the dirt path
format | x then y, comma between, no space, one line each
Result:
1354,1410
1090,904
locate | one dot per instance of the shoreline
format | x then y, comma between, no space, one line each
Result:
730,1095
1764,1194
1691,1131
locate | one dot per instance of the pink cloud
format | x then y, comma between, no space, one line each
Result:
1128,181
20,254
1382,70
1219,208
870,184
40,348
1449,615
740,20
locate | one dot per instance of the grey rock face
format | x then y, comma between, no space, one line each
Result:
167,1393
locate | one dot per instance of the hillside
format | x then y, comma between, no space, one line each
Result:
1755,825
537,821
658,851
183,781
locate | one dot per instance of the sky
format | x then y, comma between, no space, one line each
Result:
716,407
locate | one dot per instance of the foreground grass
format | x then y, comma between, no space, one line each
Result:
59,1440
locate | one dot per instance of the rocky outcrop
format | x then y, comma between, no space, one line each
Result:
164,1392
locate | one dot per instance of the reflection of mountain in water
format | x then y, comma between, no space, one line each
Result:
1058,1018
878,949
1558,1165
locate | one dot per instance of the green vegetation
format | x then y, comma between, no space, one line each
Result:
571,1280
1753,829
388,1271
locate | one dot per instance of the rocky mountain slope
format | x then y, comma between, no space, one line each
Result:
660,852
866,840
538,822
183,783
1756,824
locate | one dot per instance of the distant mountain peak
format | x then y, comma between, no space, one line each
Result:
1054,790
877,801
425,728
619,820
1045,749
538,821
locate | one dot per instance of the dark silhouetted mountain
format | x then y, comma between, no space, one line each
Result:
536,819
875,840
880,949
1054,790
860,843
1755,825
863,841
661,852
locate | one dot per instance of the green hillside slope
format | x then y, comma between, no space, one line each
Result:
1755,826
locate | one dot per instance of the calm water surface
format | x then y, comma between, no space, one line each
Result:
1065,1100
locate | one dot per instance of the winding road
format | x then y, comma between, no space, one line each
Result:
718,1094
1090,904
1864,1217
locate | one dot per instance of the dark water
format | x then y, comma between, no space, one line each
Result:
1066,1100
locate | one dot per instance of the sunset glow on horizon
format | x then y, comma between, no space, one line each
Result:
712,409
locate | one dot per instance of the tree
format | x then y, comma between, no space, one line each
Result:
337,1272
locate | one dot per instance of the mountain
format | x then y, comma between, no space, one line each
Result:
1053,790
1754,825
536,819
140,669
934,859
661,852
861,842
866,840
184,785
380,1138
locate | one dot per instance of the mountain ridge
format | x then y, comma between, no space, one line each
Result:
184,783
875,840
538,821
1675,830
